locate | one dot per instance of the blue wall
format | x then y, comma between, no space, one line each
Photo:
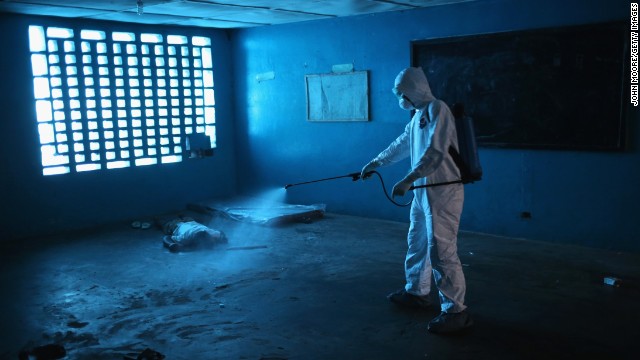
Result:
35,205
264,140
586,198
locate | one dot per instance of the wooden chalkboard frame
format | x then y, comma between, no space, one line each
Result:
554,88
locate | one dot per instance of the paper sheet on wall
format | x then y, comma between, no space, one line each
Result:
338,97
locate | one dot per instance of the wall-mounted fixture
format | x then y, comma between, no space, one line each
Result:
140,6
198,145
269,75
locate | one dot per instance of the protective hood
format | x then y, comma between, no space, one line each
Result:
412,83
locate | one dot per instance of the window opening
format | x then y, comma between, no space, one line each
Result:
114,100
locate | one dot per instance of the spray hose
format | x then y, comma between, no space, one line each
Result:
384,190
356,177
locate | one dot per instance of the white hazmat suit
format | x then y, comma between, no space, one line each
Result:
435,211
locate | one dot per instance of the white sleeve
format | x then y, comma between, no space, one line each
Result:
397,150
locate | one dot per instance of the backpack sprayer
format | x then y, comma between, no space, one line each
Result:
466,159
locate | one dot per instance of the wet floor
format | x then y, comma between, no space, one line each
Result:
309,291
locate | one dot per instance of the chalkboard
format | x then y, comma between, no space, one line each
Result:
560,88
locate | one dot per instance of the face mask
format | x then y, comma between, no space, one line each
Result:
405,104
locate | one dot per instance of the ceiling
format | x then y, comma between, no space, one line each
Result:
225,14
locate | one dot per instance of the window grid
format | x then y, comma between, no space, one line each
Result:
113,100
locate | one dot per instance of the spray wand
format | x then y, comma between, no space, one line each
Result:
353,176
356,176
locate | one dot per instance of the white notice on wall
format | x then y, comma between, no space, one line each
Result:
338,97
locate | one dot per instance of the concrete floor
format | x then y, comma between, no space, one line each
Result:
309,291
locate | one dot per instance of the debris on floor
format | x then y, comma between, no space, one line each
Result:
140,225
147,354
613,281
247,247
45,352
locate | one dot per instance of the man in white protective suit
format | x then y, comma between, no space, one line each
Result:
435,211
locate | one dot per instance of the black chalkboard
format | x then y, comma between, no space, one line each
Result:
560,88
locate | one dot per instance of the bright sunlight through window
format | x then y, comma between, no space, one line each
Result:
113,100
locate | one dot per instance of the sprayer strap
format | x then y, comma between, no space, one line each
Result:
438,184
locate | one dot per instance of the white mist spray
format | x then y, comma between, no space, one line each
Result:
271,197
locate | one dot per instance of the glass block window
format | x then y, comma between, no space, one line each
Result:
108,100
